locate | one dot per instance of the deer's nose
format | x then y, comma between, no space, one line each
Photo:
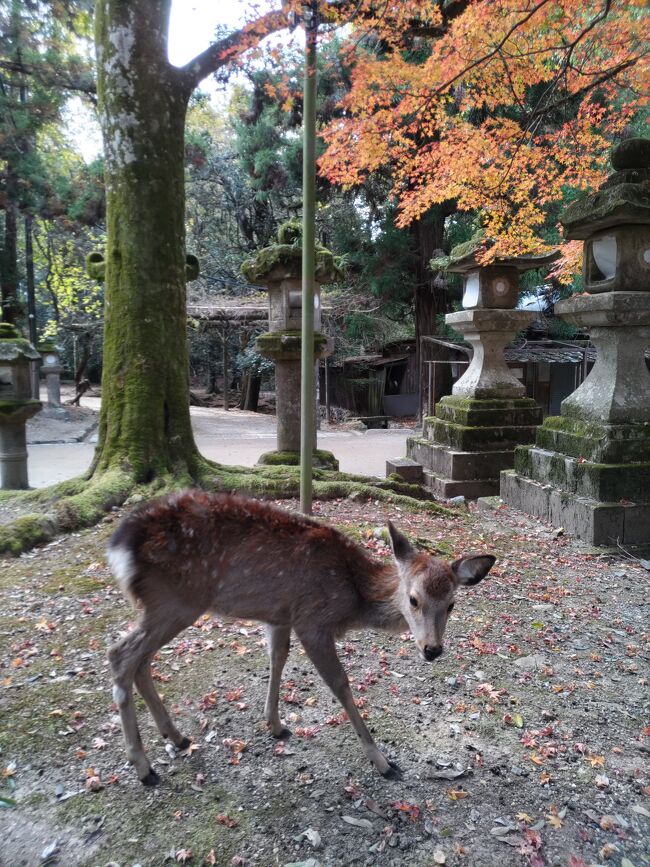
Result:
431,652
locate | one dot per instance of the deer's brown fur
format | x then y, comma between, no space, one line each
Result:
192,552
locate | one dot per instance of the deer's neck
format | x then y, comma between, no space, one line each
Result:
382,609
385,615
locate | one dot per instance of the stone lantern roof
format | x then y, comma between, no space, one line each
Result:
284,260
623,199
13,346
463,258
96,266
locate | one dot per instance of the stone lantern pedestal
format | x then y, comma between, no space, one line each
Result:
474,432
278,269
285,350
16,406
589,469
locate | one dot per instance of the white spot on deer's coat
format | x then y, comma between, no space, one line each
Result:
122,566
119,695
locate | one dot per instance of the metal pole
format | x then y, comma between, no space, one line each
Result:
307,432
224,347
328,408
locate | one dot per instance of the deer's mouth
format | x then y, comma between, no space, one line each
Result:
431,651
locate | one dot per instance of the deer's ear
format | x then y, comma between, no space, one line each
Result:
471,570
402,548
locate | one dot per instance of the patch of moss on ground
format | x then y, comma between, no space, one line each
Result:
69,507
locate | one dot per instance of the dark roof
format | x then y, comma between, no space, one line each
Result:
549,351
374,360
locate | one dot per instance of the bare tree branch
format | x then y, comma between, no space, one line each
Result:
222,52
83,83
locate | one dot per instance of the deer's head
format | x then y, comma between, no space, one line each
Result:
427,589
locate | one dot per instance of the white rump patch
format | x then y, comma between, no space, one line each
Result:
122,566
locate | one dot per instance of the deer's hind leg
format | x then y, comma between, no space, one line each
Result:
145,686
278,639
322,652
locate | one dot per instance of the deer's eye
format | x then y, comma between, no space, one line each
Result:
451,608
414,602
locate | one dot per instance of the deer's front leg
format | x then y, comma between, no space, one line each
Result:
322,652
278,639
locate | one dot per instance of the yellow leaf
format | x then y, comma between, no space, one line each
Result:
456,794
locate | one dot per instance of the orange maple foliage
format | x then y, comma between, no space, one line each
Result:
500,105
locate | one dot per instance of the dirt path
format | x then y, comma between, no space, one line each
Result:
525,744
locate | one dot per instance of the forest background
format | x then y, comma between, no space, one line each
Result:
434,122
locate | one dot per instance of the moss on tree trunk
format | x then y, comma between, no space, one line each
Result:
145,422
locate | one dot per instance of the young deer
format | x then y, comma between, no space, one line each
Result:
192,552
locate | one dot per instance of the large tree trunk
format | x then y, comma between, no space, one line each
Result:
9,261
145,421
430,299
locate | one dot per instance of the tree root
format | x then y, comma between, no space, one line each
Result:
282,481
63,508
82,502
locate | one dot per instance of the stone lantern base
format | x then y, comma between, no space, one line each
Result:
13,442
321,459
474,432
592,480
589,470
285,349
469,441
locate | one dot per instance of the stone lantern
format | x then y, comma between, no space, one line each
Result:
475,430
51,368
279,269
589,470
96,266
16,405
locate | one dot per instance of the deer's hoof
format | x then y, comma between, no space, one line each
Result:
152,779
393,772
283,735
184,744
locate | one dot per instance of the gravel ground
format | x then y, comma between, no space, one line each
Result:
526,743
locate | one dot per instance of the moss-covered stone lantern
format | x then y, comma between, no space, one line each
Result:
16,405
475,430
278,268
51,369
589,470
96,266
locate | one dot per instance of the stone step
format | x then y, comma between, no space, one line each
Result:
445,489
475,439
604,482
405,468
592,521
489,413
458,465
600,443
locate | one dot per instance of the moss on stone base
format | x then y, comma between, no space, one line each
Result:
605,482
599,443
321,459
469,438
15,407
489,413
287,345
